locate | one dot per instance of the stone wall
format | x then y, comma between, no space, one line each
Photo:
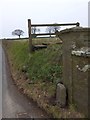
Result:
80,82
76,81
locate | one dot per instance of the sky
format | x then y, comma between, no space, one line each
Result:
15,13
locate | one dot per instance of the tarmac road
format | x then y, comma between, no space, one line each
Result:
0,80
15,104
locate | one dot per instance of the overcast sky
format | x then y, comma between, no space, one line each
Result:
14,13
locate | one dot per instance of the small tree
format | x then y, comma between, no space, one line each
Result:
17,32
55,28
34,30
52,29
49,30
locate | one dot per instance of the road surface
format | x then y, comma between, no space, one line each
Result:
0,80
15,104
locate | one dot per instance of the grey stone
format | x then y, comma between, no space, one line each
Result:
61,95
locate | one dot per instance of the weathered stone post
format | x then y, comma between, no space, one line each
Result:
69,38
61,95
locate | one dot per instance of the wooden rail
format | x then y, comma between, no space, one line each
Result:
44,25
42,34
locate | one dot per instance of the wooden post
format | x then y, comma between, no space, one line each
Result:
30,37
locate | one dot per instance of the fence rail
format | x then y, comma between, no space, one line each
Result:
42,34
44,25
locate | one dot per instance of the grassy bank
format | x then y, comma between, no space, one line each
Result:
37,74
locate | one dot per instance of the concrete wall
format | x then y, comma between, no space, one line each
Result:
76,82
